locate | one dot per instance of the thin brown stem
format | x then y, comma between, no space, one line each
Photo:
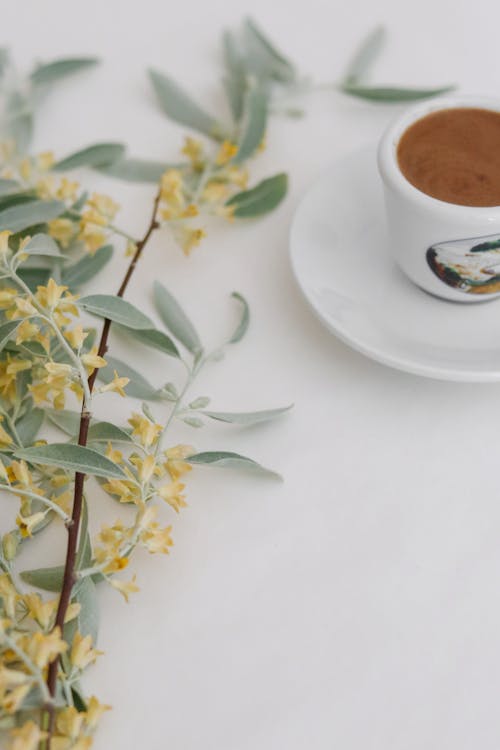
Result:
69,577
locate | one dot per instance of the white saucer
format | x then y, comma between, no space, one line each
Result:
340,259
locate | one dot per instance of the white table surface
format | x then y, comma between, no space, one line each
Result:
355,606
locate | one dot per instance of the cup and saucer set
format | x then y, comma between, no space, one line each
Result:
402,277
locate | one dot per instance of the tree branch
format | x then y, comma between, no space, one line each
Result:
69,577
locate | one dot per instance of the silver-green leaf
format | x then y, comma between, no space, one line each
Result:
264,56
229,460
48,579
87,267
24,215
179,106
242,326
28,426
73,457
155,339
363,58
392,94
53,71
248,418
42,244
114,308
176,319
235,80
261,199
255,124
137,170
97,155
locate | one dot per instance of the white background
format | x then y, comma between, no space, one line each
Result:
355,606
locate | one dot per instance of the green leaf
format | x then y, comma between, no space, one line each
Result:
368,51
235,81
18,123
178,105
86,268
138,387
29,214
261,199
34,277
266,57
155,339
9,186
175,319
114,308
54,71
28,426
229,460
103,432
247,418
84,551
48,579
73,457
42,244
97,155
68,421
255,125
391,94
138,170
242,326
6,331
88,618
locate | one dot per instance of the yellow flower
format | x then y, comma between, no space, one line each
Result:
43,648
4,241
94,712
117,385
125,587
5,438
237,176
175,465
215,192
91,237
114,455
39,610
188,238
82,654
126,492
57,369
172,494
25,168
104,205
67,190
26,331
53,293
7,295
69,723
157,539
226,153
26,737
12,701
171,189
45,187
29,523
146,431
193,149
45,160
62,230
9,595
76,336
92,360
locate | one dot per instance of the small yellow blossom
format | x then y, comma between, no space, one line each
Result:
172,494
92,360
94,712
26,737
26,331
29,523
7,295
43,648
62,230
45,160
9,595
188,238
67,190
76,336
113,454
117,385
146,431
4,241
12,701
226,153
125,587
82,654
215,192
171,189
237,176
5,438
39,610
175,465
69,722
104,205
193,149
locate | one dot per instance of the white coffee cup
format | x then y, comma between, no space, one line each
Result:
449,250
